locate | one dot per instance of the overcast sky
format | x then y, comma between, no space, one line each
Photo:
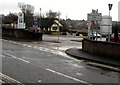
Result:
73,9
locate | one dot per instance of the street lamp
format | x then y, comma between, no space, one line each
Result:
110,7
24,14
40,18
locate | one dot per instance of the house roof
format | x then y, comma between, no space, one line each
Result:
54,25
57,23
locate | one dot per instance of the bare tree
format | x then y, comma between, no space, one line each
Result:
28,11
52,14
26,7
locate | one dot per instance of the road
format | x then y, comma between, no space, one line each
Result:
46,62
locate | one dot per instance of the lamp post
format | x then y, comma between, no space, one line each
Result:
58,25
24,14
40,19
110,7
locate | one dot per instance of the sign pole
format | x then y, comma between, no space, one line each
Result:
94,17
96,31
89,26
110,7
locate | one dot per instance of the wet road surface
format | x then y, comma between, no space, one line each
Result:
46,62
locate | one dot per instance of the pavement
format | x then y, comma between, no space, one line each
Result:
80,54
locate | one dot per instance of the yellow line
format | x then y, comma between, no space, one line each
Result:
114,68
10,79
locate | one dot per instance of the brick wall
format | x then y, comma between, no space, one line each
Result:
21,34
105,49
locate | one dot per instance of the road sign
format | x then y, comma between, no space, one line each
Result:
93,25
21,23
110,6
94,16
35,22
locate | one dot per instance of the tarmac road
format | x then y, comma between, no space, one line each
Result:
33,63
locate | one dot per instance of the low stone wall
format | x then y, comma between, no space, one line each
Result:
21,34
105,49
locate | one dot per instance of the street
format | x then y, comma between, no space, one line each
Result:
46,62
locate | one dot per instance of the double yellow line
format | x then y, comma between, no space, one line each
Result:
105,66
8,79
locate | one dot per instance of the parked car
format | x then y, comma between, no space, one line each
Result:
81,34
112,38
64,33
94,35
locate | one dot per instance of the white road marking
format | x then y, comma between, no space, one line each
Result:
36,47
47,50
60,53
78,74
24,44
81,81
39,81
14,42
3,56
16,57
29,46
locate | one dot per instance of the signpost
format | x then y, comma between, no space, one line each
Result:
93,19
21,23
110,7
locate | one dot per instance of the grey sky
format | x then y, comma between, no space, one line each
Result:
74,9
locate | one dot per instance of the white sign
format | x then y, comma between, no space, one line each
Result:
94,16
21,23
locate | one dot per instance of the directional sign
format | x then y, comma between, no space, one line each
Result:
94,16
35,22
110,6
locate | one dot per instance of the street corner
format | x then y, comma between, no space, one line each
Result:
73,52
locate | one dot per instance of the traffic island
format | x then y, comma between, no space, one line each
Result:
94,60
105,54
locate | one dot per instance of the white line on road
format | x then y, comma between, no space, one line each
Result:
2,55
36,47
24,44
29,46
16,57
81,81
39,81
78,74
47,50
